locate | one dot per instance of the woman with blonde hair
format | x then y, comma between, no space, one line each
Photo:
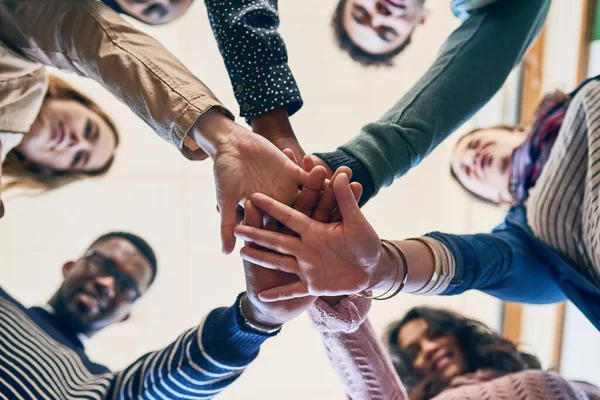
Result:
88,38
69,138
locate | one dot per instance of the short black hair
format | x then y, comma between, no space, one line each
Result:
356,53
140,244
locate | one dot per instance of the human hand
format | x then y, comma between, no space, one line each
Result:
244,163
330,258
259,279
316,160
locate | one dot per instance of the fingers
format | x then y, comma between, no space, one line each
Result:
290,154
270,260
270,240
252,215
287,292
228,223
357,190
327,203
309,163
291,218
346,200
310,191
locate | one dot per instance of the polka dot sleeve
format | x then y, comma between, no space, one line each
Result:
254,54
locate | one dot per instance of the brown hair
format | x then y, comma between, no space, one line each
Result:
482,347
356,53
40,179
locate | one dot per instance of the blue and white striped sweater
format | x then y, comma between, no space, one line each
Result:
38,361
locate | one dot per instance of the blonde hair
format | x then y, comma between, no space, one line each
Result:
40,179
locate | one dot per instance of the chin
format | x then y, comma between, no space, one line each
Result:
452,371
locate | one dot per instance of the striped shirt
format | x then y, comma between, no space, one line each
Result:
38,360
563,208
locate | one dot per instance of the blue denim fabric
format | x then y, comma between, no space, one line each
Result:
511,264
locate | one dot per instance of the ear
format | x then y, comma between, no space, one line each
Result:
425,13
125,318
67,268
52,91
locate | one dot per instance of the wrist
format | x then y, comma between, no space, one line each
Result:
211,130
256,317
384,274
273,124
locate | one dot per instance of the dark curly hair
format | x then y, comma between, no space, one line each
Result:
356,53
482,347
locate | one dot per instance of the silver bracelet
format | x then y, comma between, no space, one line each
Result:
253,326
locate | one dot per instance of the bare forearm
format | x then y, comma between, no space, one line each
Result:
275,126
420,267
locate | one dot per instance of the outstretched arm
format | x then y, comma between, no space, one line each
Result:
357,355
471,67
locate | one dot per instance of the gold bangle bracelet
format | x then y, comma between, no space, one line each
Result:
404,264
390,247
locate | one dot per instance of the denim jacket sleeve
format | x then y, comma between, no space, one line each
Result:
505,264
254,54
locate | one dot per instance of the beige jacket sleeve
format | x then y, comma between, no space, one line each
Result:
88,38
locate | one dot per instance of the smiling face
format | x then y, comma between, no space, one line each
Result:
68,137
100,288
432,353
482,161
381,26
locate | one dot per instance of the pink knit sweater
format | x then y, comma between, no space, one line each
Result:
367,373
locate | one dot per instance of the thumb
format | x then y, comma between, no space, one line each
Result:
346,200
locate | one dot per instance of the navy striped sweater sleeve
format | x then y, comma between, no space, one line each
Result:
198,365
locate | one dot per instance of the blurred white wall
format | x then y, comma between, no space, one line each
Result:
155,192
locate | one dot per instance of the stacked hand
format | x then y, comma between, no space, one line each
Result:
312,202
336,251
244,163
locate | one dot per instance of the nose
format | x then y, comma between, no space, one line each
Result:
105,286
428,347
73,139
469,157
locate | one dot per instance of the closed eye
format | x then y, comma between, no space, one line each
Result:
80,159
361,15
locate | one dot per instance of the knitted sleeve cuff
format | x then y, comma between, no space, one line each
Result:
360,174
345,317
